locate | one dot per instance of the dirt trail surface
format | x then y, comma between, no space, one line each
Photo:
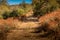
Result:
25,35
22,31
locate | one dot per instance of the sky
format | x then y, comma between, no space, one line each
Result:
13,2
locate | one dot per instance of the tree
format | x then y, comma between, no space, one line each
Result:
23,4
41,7
3,2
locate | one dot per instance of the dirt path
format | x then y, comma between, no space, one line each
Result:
23,30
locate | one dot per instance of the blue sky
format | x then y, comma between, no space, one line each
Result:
13,2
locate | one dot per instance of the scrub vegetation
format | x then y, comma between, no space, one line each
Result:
39,20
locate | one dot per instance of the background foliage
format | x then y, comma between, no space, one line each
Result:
42,7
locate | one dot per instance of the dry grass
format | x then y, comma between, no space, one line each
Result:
25,30
51,22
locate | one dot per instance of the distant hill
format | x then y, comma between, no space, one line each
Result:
4,8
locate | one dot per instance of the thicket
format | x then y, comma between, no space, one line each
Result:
41,7
15,13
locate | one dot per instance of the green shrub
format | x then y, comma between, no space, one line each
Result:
42,7
13,14
21,12
5,15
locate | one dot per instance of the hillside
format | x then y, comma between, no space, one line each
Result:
37,21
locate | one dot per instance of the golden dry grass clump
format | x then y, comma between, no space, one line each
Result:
50,22
4,8
52,19
5,27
